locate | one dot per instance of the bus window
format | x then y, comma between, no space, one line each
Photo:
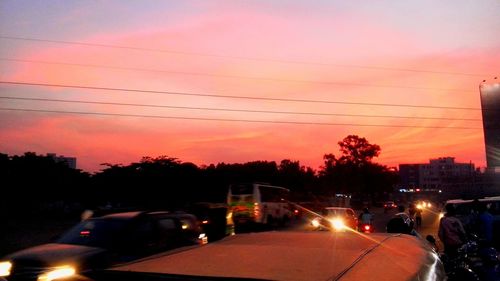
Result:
268,194
242,198
239,189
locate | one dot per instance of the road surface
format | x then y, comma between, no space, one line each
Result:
430,223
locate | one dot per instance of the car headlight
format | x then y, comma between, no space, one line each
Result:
315,222
338,224
58,273
419,206
441,215
5,268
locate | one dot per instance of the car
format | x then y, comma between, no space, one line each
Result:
423,204
335,218
291,255
104,241
389,205
465,210
402,223
214,219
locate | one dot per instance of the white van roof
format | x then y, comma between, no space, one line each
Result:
485,199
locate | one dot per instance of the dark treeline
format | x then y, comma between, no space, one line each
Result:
35,183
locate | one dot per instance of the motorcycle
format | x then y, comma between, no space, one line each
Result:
473,261
365,228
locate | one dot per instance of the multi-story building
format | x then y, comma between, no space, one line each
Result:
490,107
69,161
441,173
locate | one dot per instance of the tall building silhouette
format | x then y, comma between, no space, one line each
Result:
490,105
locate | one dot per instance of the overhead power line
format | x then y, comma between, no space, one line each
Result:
239,76
231,120
235,110
385,68
232,96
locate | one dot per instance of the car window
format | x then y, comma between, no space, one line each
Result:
96,232
167,224
463,209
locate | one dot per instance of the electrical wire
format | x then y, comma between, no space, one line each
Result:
238,57
232,120
242,76
234,110
233,96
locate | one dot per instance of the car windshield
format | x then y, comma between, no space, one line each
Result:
103,233
336,212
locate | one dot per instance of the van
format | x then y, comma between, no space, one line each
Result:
464,210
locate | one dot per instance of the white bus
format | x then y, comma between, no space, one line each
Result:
258,203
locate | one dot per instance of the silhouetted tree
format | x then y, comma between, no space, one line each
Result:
357,151
354,171
299,179
32,183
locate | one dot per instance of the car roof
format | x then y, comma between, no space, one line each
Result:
124,215
309,256
134,214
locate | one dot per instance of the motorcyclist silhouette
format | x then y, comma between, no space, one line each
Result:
365,218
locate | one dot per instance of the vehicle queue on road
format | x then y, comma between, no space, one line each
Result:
98,243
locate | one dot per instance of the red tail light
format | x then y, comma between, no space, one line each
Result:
367,227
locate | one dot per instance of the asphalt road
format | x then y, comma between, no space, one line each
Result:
430,223
23,233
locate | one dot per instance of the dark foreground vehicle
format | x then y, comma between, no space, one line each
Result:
290,256
101,242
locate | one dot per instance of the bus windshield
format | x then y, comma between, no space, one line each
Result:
239,189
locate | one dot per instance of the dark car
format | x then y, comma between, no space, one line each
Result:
104,241
213,218
389,205
335,218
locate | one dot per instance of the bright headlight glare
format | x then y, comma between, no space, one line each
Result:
338,224
5,268
441,215
315,222
58,273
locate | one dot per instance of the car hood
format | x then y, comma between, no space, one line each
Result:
299,256
54,254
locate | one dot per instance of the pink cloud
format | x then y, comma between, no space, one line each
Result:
249,33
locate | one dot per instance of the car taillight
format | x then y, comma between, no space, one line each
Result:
256,210
367,227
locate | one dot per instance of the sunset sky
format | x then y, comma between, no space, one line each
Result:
310,73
